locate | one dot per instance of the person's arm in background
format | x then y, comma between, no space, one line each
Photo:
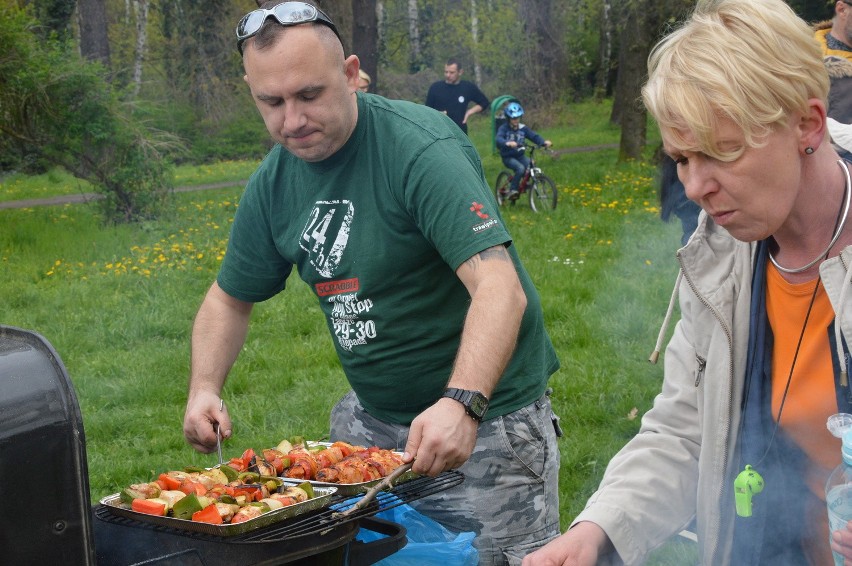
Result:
443,436
480,102
582,545
476,108
500,139
218,334
537,139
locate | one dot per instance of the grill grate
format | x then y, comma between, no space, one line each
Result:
318,522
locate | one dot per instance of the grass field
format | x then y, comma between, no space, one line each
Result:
117,303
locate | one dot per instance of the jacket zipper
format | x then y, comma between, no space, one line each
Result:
702,363
714,543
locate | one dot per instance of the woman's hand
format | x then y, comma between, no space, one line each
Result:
579,546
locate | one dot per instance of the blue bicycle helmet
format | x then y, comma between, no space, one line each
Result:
513,110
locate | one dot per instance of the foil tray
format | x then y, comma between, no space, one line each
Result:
349,489
322,498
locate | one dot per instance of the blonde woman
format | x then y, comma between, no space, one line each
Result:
737,439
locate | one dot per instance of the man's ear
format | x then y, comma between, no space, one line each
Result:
350,68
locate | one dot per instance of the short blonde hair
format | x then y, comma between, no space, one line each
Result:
363,75
754,62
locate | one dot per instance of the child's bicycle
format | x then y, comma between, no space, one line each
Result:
541,188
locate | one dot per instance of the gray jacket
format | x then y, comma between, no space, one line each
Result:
679,464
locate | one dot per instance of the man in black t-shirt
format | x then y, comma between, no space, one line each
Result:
453,95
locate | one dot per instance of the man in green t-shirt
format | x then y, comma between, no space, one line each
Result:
384,211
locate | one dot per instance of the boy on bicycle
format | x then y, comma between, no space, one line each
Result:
510,141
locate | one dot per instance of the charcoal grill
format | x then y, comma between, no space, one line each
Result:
42,444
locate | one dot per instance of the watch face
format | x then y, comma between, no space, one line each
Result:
478,404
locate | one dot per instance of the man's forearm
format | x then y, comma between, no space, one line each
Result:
471,111
491,327
218,335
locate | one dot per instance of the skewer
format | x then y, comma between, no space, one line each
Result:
373,491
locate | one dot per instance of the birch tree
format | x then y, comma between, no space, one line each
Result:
416,49
140,10
474,34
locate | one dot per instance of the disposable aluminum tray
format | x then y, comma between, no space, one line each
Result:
352,488
321,499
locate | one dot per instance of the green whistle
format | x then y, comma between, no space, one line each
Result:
747,484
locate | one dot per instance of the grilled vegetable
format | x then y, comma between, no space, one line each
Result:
209,514
149,506
140,491
272,502
171,496
229,472
185,507
216,475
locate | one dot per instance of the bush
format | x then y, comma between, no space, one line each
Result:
59,108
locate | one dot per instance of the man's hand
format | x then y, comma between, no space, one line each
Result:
440,438
203,410
579,546
511,144
475,109
548,143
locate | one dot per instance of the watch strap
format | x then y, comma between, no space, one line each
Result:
466,397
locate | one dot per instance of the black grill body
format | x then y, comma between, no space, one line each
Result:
124,542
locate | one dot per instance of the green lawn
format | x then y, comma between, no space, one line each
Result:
118,302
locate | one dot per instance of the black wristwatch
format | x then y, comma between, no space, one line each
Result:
475,403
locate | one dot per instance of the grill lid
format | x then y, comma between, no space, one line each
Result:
41,441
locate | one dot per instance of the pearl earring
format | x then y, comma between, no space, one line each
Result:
809,150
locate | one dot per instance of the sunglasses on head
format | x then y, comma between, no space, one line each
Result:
286,14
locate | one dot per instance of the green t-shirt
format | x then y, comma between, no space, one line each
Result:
377,231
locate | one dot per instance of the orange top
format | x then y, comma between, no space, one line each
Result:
811,395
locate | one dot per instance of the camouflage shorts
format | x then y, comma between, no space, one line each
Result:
510,495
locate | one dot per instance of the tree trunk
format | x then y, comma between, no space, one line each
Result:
604,51
474,32
416,53
380,24
636,40
140,7
544,53
365,42
94,40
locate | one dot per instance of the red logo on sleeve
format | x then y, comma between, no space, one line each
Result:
477,208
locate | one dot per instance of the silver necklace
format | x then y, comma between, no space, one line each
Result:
848,194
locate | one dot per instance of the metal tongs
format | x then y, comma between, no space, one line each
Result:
219,436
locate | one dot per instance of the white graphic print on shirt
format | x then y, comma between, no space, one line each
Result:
329,217
324,238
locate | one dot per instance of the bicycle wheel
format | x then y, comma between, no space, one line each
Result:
501,187
543,194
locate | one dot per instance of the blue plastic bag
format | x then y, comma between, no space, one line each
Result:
429,542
